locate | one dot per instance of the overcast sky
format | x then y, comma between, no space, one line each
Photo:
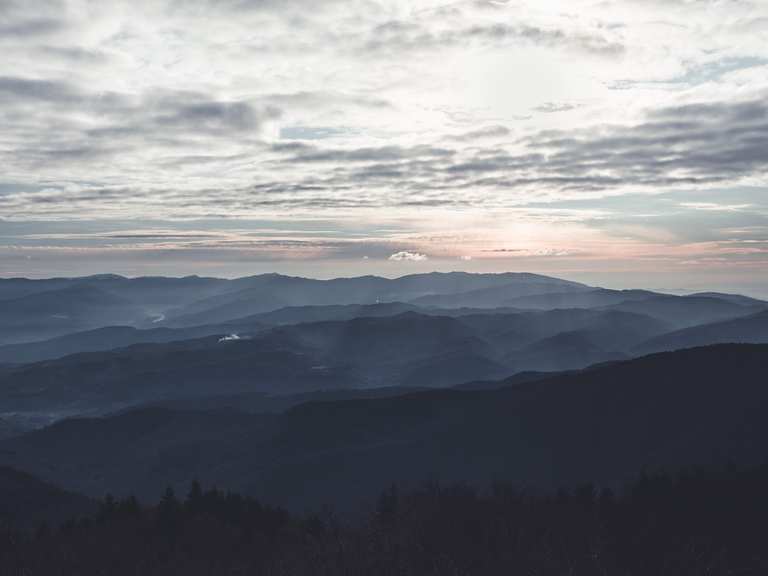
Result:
621,142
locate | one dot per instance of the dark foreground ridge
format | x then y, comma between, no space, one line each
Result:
695,407
702,522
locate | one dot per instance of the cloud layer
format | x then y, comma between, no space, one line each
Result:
504,134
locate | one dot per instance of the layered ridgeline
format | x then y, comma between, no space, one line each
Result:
265,342
605,424
408,349
306,392
39,309
34,310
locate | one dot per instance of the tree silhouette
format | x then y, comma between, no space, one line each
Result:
700,522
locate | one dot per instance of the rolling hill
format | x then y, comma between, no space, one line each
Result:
48,314
751,329
604,424
35,310
408,349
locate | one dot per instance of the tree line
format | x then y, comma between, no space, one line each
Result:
702,522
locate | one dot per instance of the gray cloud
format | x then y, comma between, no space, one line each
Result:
19,89
210,116
367,110
118,123
323,99
483,133
698,144
30,27
409,35
694,144
311,154
554,107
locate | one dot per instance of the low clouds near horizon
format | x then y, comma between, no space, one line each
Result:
404,255
570,137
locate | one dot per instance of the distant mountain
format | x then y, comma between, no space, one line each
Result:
675,311
516,328
98,381
243,359
149,291
665,411
42,309
12,288
733,298
595,298
273,404
315,313
47,314
748,329
26,502
112,337
271,292
35,310
686,311
109,338
564,351
500,296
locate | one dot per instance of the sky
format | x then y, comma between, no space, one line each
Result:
617,142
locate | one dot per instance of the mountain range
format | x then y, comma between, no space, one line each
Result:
604,424
309,392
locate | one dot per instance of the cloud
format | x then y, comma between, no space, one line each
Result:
405,255
369,113
697,144
324,99
19,89
712,206
203,115
483,133
410,36
554,107
30,27
230,338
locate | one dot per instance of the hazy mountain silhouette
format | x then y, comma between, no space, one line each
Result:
111,337
500,296
564,351
149,290
595,298
270,292
684,408
407,349
523,328
676,311
43,309
317,313
46,314
749,329
95,381
686,311
35,310
733,298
